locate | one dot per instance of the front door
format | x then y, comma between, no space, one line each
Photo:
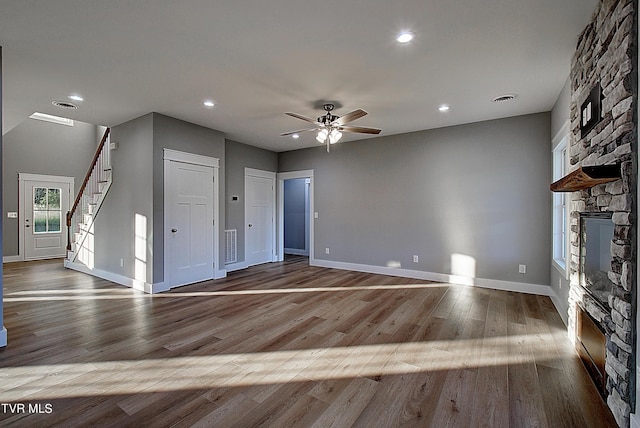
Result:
45,206
190,219
259,213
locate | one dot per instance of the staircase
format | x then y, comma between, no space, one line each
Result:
87,204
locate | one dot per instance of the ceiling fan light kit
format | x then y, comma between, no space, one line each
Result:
330,127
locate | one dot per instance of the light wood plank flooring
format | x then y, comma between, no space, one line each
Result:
286,345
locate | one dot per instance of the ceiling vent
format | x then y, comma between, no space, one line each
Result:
505,97
64,104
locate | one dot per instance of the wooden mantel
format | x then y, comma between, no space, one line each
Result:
585,177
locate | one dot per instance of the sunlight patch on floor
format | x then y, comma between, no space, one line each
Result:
262,368
71,294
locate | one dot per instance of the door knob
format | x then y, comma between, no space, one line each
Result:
174,230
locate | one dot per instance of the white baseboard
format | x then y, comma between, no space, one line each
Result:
157,287
231,267
296,252
11,259
520,287
114,277
635,421
3,337
561,307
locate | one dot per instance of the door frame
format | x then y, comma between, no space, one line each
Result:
169,156
269,175
281,177
24,177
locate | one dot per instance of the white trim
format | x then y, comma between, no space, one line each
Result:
561,307
3,337
192,158
561,143
22,178
232,267
267,175
635,420
296,251
42,177
520,287
259,173
281,177
11,259
116,278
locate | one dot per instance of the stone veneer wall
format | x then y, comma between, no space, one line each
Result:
606,55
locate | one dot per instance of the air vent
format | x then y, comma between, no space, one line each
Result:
505,97
231,246
64,104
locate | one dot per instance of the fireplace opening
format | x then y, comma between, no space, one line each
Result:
596,235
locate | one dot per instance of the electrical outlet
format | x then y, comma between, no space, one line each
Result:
121,262
326,250
522,268
415,259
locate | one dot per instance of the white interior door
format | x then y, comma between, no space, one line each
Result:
259,216
190,220
45,204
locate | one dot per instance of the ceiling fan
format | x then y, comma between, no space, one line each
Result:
331,127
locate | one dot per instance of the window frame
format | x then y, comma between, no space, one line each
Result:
561,204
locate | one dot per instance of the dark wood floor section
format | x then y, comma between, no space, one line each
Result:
286,345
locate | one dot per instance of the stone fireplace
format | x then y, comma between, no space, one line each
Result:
603,268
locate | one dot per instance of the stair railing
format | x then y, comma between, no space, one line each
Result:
100,164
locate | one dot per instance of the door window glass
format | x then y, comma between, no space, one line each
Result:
47,213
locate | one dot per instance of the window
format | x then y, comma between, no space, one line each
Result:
47,213
560,207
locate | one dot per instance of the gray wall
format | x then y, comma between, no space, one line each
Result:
131,193
295,214
170,133
38,147
138,189
238,157
480,190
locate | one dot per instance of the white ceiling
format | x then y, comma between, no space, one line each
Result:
257,59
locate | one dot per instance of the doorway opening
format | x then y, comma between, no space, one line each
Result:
296,214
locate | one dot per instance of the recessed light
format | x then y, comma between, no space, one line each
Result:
295,136
75,97
444,108
209,103
405,37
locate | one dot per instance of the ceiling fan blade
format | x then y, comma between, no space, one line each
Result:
286,134
301,117
350,117
360,129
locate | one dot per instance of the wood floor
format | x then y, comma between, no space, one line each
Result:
285,345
